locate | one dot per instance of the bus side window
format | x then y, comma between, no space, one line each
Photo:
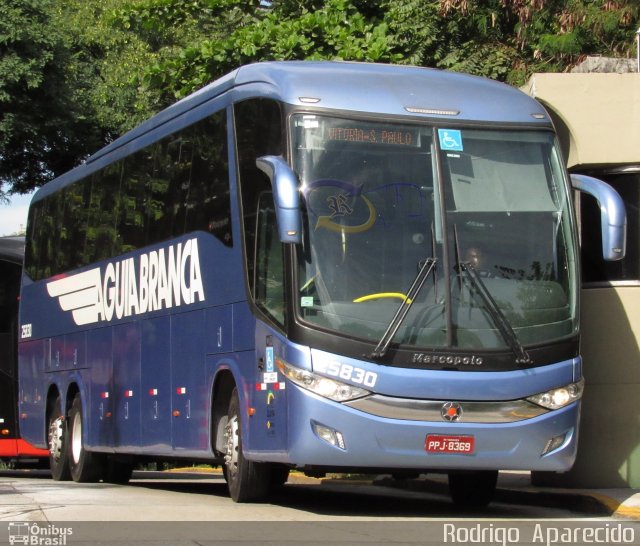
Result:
208,203
5,296
9,290
269,261
259,132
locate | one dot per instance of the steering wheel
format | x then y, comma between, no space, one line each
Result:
307,285
381,295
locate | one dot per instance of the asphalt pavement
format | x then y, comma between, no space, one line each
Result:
516,488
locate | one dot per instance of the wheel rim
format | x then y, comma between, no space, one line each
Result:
233,445
55,438
76,438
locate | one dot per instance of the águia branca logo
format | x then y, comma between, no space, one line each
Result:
155,280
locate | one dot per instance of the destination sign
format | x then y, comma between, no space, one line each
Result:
373,135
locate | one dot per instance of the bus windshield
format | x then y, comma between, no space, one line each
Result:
488,208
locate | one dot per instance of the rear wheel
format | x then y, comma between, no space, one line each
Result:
247,480
84,465
473,489
58,443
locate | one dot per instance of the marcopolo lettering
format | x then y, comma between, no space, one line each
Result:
450,360
160,279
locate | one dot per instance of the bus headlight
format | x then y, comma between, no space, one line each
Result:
319,384
560,397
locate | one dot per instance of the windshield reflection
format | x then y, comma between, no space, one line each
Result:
376,207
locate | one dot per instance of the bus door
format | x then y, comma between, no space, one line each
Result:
270,421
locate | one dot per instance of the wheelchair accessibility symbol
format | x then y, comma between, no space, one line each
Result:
450,140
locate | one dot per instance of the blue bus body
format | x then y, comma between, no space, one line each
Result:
154,341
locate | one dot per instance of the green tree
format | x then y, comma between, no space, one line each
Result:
502,39
75,74
327,29
43,129
510,39
153,33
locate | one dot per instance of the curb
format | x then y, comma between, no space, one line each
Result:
617,508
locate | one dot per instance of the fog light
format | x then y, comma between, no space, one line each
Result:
5,432
554,443
329,435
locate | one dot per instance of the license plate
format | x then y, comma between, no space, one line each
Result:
444,443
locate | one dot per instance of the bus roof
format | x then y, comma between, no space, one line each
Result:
12,249
394,90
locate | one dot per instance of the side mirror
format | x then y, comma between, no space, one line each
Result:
286,197
613,216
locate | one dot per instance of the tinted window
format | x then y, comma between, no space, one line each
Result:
177,185
269,286
9,291
258,124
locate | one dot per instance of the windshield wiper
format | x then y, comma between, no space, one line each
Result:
496,313
383,345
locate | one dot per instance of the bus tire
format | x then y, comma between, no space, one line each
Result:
246,480
58,441
83,465
474,489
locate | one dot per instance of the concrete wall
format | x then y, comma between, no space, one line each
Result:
597,116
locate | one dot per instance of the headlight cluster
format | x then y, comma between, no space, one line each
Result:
560,397
318,384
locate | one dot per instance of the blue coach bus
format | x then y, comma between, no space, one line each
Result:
319,266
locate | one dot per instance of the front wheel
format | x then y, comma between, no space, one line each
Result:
246,480
473,489
58,440
84,465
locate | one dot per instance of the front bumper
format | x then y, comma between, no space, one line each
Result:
376,442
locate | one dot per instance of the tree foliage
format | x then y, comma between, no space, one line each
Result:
75,74
501,39
43,129
336,30
515,38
